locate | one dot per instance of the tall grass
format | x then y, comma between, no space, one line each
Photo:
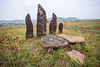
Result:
16,51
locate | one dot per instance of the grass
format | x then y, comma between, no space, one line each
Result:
16,51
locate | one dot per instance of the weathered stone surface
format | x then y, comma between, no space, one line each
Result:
76,55
52,41
41,21
60,28
53,24
29,26
72,39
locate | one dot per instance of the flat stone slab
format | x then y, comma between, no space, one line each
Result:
72,39
52,41
76,55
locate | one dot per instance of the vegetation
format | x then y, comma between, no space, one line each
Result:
16,51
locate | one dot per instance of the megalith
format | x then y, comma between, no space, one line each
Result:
41,21
53,24
72,39
51,41
60,28
29,26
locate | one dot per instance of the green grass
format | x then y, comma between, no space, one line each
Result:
16,51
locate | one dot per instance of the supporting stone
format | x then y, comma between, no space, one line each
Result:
41,21
53,24
29,26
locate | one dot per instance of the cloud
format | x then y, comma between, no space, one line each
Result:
17,9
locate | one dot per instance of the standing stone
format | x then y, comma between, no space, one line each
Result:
29,26
53,24
41,21
60,28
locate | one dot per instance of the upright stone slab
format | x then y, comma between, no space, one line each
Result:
53,24
41,21
29,26
60,28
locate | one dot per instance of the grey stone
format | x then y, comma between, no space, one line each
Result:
52,41
72,39
29,26
77,56
41,21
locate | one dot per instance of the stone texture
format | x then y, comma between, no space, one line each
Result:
72,39
52,41
29,26
60,28
76,55
53,24
41,21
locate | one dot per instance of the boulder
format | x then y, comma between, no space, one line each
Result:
53,24
72,39
41,21
29,26
77,56
52,41
60,28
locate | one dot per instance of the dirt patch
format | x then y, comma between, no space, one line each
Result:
96,27
85,28
6,28
35,52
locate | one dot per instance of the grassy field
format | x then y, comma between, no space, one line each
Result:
16,51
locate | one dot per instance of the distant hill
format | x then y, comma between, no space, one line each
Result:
71,18
14,22
22,22
68,19
65,19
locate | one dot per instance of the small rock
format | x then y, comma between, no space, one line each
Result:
76,55
72,39
50,50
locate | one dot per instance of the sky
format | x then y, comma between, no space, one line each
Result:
18,9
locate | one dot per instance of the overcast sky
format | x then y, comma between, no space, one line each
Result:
17,9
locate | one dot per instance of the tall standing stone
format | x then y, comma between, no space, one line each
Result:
53,24
29,26
41,21
60,28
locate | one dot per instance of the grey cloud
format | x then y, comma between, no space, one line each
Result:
17,9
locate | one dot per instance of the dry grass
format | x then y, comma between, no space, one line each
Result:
16,51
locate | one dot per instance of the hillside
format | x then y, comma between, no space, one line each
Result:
22,22
16,51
